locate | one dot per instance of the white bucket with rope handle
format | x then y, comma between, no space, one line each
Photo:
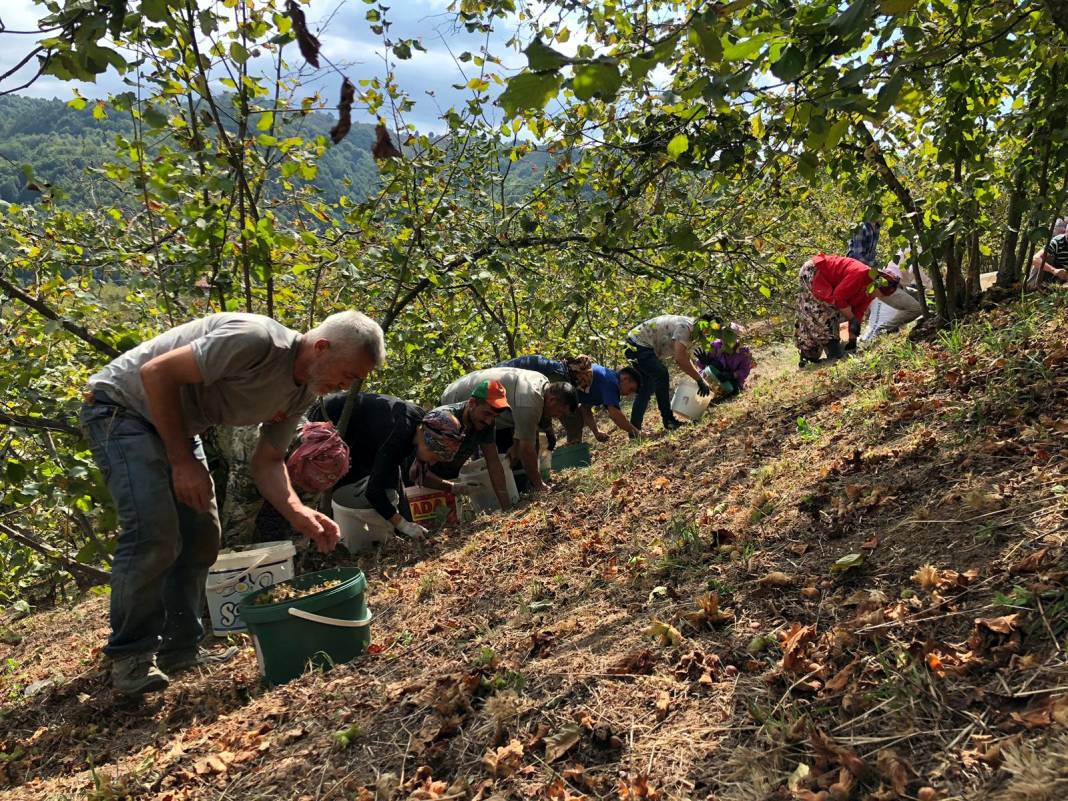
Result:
236,573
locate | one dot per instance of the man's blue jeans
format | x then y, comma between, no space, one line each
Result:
165,548
655,380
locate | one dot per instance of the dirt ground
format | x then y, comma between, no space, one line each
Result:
850,582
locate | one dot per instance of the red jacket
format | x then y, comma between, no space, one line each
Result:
842,281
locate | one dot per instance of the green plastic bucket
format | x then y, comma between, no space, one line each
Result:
322,629
577,455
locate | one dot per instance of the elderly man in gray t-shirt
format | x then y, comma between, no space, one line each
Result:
142,416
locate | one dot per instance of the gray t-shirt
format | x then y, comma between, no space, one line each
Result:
246,361
526,396
661,333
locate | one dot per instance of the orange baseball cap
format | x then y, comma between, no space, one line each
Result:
493,393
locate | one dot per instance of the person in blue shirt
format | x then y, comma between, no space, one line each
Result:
607,389
595,385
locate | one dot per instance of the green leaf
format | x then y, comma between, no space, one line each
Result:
541,57
851,20
684,238
678,145
765,291
848,562
238,53
99,111
153,117
640,67
896,6
835,134
707,40
266,121
757,125
478,84
402,50
746,48
155,10
118,15
16,471
790,65
78,103
889,92
600,79
529,91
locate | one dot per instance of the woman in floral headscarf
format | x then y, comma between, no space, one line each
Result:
383,434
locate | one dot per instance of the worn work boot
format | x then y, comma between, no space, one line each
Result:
179,660
137,674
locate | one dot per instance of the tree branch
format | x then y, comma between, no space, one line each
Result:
84,575
42,423
45,311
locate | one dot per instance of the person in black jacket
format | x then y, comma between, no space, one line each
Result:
383,434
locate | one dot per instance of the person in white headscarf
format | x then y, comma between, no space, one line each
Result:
902,307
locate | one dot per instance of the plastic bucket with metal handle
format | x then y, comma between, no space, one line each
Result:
320,630
239,572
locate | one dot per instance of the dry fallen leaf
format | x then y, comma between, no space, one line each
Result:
1030,564
559,743
663,703
668,634
1002,625
927,577
775,578
798,777
893,770
503,762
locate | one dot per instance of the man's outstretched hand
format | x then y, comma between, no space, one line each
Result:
317,527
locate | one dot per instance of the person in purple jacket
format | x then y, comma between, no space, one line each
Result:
728,360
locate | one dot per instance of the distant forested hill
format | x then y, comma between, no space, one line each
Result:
63,145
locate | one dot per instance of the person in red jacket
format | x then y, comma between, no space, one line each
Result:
834,288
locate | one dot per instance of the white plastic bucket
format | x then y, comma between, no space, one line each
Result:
484,499
236,573
687,402
362,528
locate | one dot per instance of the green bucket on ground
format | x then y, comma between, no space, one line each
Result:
322,629
577,455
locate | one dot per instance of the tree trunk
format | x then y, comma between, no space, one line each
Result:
973,282
1008,269
915,215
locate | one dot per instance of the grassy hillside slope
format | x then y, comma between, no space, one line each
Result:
848,583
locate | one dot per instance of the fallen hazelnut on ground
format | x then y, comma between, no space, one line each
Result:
928,794
810,592
730,671
838,792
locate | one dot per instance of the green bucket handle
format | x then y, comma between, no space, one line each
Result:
331,621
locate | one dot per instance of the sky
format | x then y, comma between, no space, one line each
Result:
347,41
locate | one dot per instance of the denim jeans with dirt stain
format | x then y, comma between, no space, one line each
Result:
655,380
165,547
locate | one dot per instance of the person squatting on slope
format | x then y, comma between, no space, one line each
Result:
383,434
574,370
728,360
902,307
478,416
142,415
832,288
529,398
649,345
